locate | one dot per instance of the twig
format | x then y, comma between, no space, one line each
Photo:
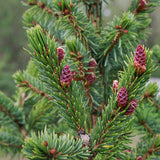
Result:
10,145
29,85
8,113
148,128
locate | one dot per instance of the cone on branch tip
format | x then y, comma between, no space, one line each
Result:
140,60
45,143
90,79
132,107
66,76
52,151
60,54
85,139
141,5
92,64
115,85
139,158
122,97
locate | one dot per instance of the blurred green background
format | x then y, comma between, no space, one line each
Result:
13,37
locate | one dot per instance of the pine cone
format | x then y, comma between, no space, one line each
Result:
141,4
90,79
85,139
66,76
52,151
60,53
92,64
132,107
45,143
115,85
139,158
122,97
140,59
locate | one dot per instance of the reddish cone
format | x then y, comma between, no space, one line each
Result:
66,76
60,53
92,64
139,158
122,97
115,85
140,59
141,4
90,79
52,151
45,143
132,107
71,5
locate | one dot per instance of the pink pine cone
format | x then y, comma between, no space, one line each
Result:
66,76
142,4
132,107
140,60
140,56
92,64
122,97
90,79
60,53
115,85
139,158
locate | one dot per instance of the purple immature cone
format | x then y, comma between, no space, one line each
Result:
115,85
60,53
141,4
92,64
140,59
66,76
132,107
122,97
139,158
90,79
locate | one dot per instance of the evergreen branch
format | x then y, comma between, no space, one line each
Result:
49,146
115,41
154,103
26,84
134,84
147,128
41,114
151,150
8,113
50,73
42,5
139,18
11,141
11,111
94,10
10,145
46,32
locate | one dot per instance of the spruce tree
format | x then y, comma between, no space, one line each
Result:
84,94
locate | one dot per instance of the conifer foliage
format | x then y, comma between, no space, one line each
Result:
84,94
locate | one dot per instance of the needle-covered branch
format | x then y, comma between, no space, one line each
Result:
51,146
